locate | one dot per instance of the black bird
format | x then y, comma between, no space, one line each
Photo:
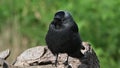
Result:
63,36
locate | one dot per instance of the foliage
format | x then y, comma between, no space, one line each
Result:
98,21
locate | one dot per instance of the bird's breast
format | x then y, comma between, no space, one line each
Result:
59,35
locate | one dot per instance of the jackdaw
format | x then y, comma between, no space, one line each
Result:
63,36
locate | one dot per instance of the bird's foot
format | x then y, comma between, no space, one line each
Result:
69,66
55,64
56,61
66,63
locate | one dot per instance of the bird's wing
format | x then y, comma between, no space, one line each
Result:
74,27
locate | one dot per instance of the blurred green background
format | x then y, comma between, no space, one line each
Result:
24,23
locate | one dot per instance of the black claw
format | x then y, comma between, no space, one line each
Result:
66,63
55,63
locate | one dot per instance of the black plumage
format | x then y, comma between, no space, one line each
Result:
63,36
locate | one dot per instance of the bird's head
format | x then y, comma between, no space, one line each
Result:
61,16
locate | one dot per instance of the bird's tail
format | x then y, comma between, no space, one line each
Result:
77,54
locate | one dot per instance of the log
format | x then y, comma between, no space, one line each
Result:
3,56
41,57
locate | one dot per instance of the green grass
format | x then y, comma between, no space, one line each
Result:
98,22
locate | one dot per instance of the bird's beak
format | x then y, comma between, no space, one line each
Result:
57,21
57,17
